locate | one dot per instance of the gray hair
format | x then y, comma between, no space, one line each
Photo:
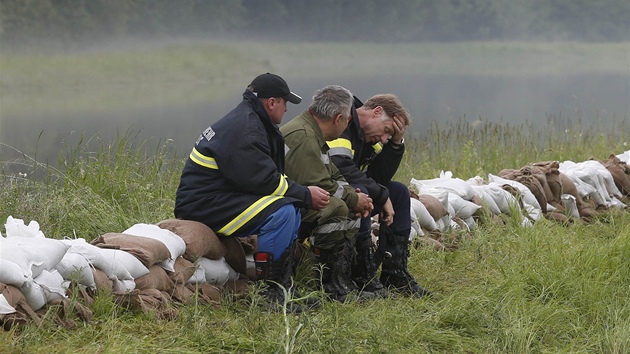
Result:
330,101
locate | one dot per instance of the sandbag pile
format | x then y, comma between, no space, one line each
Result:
564,191
145,267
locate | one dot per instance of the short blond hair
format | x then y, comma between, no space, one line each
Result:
391,105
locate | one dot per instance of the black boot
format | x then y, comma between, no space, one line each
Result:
364,267
336,277
394,273
278,274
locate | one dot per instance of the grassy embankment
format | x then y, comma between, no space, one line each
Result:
550,288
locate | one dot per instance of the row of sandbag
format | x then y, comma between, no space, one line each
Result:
558,190
166,257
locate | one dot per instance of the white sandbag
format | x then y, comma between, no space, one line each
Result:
175,244
470,222
33,255
13,274
462,208
528,196
486,197
624,156
199,276
5,307
122,264
52,284
609,181
452,185
90,252
34,295
501,197
16,228
123,286
422,216
616,203
534,213
218,272
415,225
570,206
589,174
75,267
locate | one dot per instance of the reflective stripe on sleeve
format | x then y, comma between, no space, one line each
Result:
202,160
248,214
340,189
341,146
283,186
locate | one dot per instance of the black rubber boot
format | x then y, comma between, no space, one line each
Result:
394,273
277,273
337,269
364,267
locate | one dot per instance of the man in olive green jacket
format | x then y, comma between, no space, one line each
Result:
308,163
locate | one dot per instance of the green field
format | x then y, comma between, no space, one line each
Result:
506,289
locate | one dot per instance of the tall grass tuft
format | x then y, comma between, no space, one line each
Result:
94,189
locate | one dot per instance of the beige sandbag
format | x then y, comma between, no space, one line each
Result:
200,240
235,255
148,250
23,312
184,269
433,205
156,279
101,280
207,293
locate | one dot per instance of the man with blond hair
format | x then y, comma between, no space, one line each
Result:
368,154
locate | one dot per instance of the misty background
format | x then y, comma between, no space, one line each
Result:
505,61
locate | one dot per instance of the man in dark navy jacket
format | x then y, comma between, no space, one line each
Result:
234,182
368,154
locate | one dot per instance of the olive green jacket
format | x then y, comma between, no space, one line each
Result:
308,162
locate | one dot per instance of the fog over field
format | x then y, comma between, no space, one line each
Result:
474,61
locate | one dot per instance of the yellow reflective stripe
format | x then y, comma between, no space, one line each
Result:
248,214
203,160
283,186
341,146
340,143
377,147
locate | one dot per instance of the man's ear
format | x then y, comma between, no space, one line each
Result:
378,111
338,119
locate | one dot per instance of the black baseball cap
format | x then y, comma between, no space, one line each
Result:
271,85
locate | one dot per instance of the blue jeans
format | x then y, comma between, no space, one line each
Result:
279,230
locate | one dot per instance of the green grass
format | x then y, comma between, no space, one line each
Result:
507,289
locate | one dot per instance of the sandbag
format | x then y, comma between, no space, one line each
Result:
156,279
217,272
33,254
13,274
53,285
423,217
17,228
174,243
436,205
122,264
148,250
90,252
200,240
184,270
75,267
102,281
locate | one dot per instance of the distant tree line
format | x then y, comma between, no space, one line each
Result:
22,21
